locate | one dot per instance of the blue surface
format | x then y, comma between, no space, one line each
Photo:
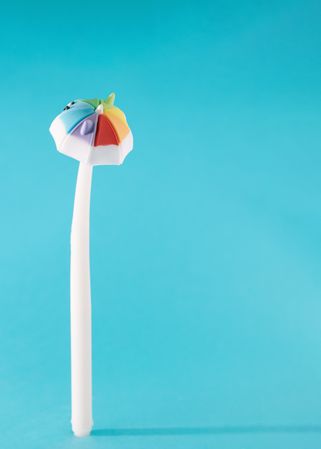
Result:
206,244
72,117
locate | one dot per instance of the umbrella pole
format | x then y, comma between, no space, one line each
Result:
80,307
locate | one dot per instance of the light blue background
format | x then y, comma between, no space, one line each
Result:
206,244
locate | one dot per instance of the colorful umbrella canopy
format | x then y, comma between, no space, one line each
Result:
93,131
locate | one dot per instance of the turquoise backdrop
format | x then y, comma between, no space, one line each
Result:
205,244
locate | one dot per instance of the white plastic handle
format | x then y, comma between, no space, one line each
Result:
80,307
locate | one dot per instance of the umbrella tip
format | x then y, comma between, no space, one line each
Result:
100,109
110,99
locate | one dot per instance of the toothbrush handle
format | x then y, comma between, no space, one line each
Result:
80,307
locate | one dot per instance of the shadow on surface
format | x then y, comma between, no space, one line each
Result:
211,430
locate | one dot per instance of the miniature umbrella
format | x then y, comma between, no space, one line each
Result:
94,132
